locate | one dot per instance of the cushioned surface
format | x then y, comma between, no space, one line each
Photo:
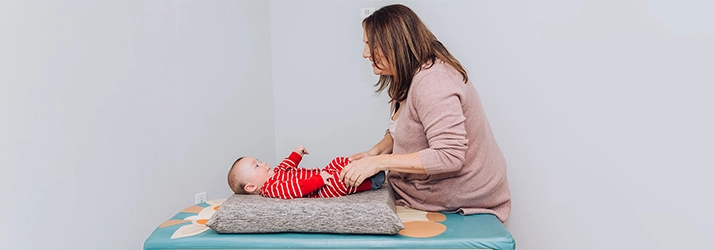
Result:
187,230
370,212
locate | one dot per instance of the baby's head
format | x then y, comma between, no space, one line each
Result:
247,175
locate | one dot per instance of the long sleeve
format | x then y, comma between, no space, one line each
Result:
443,119
290,181
292,161
437,97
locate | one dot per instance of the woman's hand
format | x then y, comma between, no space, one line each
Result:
301,150
359,169
361,155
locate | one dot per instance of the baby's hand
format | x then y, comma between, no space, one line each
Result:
326,176
301,150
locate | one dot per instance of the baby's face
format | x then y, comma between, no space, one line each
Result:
254,171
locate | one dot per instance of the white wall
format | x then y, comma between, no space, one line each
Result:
324,97
601,107
115,113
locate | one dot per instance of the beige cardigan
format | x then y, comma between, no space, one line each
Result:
442,118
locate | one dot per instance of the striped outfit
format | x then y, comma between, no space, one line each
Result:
290,181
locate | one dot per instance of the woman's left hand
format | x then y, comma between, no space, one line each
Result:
359,170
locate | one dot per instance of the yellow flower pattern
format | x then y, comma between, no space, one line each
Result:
420,224
197,222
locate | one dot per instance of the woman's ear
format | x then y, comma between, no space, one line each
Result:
250,187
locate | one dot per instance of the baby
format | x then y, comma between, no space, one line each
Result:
288,181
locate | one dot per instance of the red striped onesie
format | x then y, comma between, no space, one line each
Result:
291,181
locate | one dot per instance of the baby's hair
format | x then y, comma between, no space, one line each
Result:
234,181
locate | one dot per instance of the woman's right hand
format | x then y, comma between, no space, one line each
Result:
361,155
383,147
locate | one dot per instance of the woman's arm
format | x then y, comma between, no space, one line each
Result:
382,147
405,163
357,171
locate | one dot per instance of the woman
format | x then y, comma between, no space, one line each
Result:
439,149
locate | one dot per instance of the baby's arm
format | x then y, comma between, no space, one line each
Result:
291,161
301,150
326,176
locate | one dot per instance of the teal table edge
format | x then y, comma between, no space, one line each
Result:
479,231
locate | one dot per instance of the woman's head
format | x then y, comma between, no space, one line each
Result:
398,44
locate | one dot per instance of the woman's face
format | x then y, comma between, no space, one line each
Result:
376,58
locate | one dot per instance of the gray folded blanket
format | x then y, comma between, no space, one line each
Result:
369,212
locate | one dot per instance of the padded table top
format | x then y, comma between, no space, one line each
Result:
187,230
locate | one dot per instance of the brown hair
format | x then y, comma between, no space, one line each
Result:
406,44
234,181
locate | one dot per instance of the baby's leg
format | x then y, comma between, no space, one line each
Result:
338,188
336,165
339,163
377,180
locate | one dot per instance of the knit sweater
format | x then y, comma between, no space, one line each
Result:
290,181
442,119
